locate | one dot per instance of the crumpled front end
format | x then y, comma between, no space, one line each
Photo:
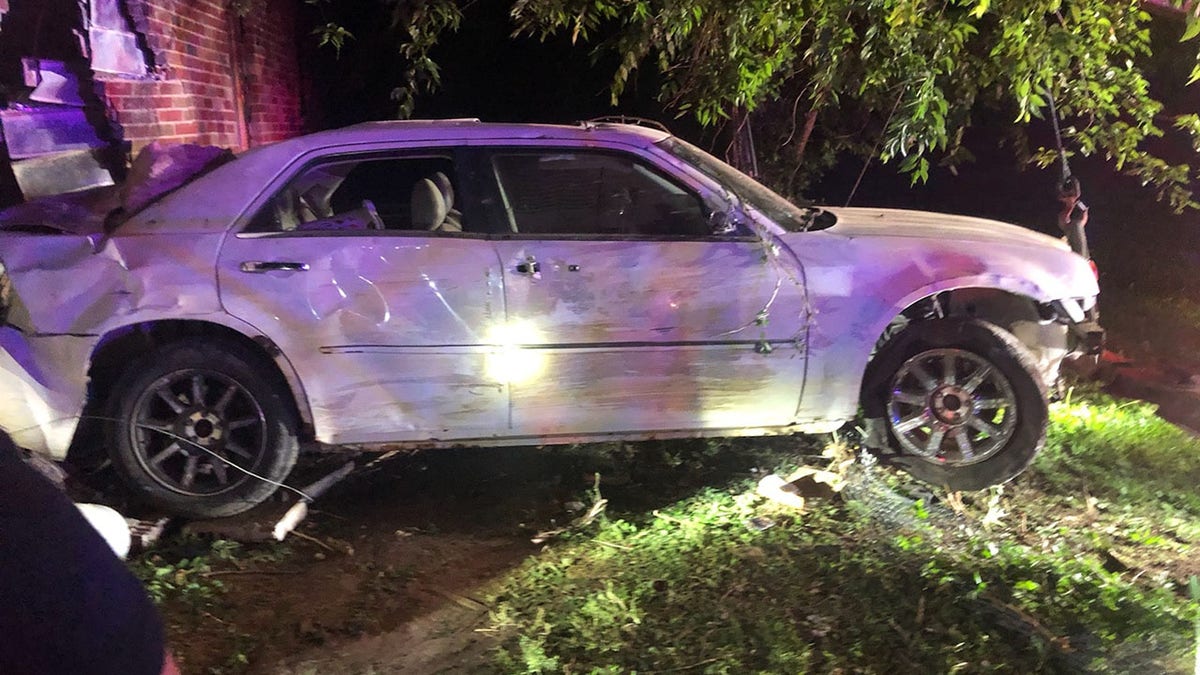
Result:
62,292
43,386
43,377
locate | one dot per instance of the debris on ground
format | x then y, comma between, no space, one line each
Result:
803,484
599,504
778,490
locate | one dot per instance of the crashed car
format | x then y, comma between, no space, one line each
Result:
443,283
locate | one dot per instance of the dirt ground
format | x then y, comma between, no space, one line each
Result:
390,572
382,575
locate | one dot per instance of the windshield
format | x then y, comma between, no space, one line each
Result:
748,190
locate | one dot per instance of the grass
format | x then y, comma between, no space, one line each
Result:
1121,451
184,571
1077,566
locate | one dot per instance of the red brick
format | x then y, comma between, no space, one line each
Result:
135,116
117,88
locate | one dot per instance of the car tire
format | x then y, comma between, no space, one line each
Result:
959,401
200,429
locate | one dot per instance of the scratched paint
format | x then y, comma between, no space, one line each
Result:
426,338
387,331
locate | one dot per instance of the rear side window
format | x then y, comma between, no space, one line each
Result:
357,193
570,192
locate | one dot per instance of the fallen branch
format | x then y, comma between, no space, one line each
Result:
316,541
1061,643
598,506
221,573
612,545
462,600
705,662
214,617
673,519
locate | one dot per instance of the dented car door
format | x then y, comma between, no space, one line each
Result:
627,313
381,305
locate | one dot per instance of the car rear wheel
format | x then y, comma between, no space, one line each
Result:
200,430
960,400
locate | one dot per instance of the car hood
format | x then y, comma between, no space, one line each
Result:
893,258
874,222
82,213
158,171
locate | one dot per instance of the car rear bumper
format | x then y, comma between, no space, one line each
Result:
43,386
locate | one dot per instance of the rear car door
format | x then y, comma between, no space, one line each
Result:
625,312
379,289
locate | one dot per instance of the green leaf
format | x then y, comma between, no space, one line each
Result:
1192,29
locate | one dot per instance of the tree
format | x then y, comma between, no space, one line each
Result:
899,80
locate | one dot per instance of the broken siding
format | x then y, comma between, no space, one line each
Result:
114,46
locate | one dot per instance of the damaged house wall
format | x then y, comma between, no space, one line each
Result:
219,79
56,131
137,71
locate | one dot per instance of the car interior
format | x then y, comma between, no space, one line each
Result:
374,194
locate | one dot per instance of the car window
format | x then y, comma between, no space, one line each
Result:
796,218
367,193
568,192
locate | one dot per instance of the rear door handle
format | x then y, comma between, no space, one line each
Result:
260,266
529,266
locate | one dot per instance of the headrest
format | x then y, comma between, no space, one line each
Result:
446,187
428,207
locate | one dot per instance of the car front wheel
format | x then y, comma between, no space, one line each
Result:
197,428
960,400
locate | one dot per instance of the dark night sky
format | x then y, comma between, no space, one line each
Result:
485,74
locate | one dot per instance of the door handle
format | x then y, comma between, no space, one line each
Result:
260,266
530,266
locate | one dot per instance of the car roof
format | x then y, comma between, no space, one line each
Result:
415,131
192,208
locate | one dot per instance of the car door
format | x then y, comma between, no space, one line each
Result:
379,291
629,315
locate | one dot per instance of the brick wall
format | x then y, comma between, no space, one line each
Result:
220,80
271,73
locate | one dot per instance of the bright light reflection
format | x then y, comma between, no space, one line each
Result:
49,431
508,360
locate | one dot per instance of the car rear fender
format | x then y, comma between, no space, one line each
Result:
117,346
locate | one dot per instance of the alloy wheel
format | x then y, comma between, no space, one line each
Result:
198,432
951,406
